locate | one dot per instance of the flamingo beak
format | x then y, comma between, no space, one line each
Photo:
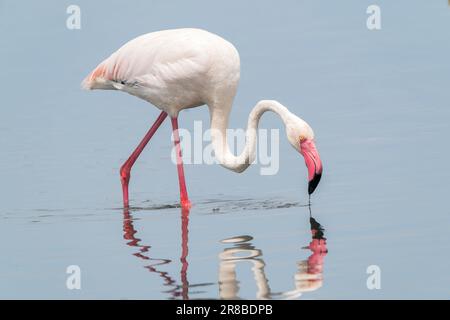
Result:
313,163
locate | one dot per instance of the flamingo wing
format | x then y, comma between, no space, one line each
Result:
153,62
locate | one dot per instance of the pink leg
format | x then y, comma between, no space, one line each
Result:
126,167
185,203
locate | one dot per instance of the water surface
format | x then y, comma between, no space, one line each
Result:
377,100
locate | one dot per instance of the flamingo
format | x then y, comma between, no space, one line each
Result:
185,68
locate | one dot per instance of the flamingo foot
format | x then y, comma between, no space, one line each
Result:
186,204
125,179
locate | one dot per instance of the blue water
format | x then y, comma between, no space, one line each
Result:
377,100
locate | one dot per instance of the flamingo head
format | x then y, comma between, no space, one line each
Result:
301,137
313,163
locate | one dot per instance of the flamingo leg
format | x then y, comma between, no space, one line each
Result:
185,203
126,167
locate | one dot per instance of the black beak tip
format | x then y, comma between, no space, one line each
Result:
314,183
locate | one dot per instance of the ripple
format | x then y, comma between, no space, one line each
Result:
220,206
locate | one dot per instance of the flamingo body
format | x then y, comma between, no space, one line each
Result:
172,69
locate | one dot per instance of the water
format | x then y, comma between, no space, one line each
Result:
377,100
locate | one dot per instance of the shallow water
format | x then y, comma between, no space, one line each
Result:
377,100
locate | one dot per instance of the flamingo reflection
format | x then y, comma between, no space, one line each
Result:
309,275
242,251
176,290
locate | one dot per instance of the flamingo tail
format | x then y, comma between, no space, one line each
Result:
98,79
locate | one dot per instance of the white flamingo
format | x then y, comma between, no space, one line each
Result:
185,68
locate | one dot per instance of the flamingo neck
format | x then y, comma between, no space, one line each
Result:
219,124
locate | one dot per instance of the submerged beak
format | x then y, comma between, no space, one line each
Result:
313,163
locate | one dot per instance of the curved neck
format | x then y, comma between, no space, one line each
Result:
219,124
